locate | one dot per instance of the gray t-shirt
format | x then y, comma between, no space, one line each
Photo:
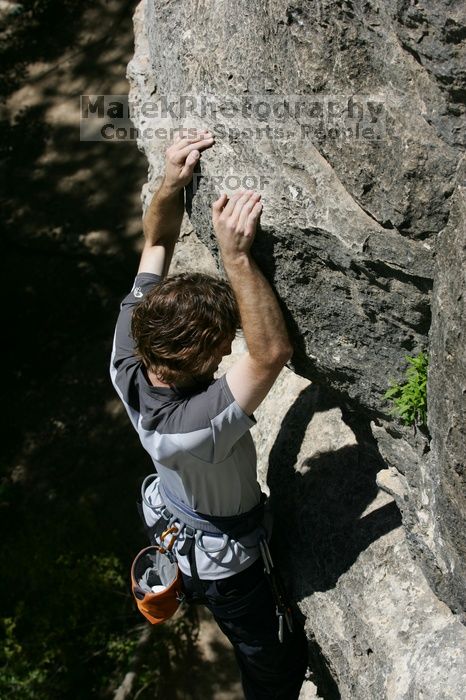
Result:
199,442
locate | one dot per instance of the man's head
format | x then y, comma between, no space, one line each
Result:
184,326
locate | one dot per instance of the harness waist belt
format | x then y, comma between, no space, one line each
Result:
234,526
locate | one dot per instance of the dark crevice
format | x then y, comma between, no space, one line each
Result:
412,52
384,224
408,344
382,269
367,188
322,677
454,33
359,270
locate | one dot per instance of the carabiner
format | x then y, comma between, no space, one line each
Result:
267,559
169,531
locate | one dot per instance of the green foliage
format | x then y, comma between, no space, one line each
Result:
410,399
80,641
43,644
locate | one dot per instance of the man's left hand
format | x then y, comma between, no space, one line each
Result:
181,157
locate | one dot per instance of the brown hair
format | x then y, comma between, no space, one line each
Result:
180,322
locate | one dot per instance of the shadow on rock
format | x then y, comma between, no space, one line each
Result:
320,505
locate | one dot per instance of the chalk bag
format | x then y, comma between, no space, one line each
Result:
156,584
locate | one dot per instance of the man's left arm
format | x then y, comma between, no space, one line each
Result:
162,222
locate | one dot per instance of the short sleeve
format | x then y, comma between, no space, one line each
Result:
124,364
211,422
124,343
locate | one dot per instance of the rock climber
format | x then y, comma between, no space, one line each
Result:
171,334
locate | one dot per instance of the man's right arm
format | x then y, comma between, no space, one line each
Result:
269,348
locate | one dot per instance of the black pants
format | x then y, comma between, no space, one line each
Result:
244,609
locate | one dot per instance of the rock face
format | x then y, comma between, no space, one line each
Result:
445,467
347,117
375,627
349,221
430,488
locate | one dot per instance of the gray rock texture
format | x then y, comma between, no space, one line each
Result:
362,237
445,467
428,481
369,610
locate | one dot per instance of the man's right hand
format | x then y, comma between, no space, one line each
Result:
235,221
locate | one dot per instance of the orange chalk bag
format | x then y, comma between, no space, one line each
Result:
156,583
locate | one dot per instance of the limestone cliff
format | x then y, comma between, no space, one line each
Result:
348,117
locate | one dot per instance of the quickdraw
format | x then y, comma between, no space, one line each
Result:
282,609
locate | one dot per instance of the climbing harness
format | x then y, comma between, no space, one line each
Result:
175,518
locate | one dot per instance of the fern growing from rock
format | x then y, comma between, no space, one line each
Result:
410,399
